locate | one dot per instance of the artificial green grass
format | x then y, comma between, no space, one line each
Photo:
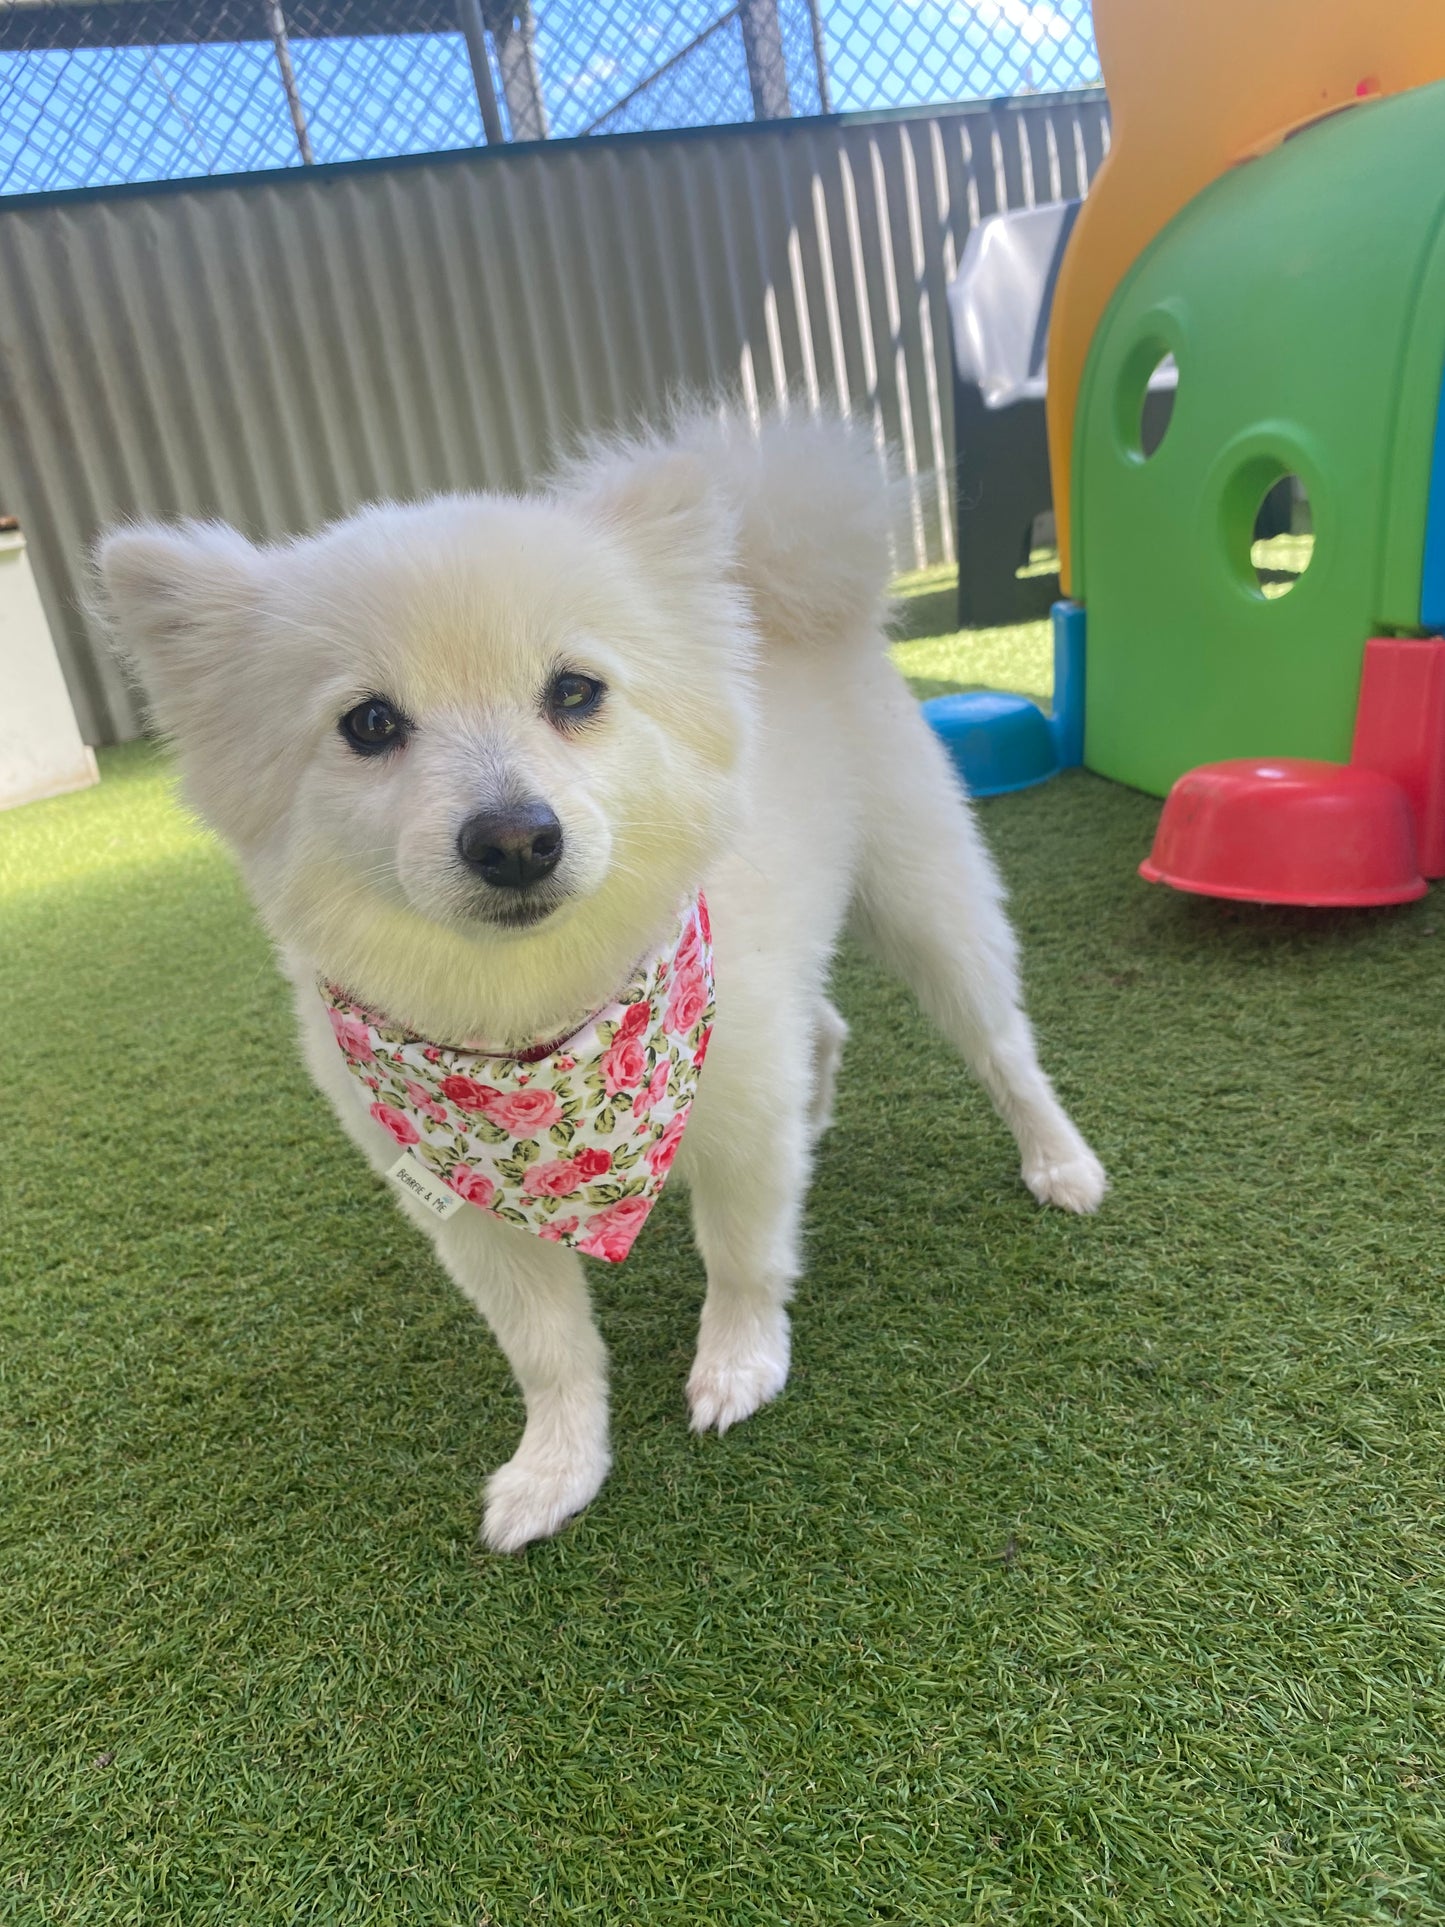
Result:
938,658
1085,1572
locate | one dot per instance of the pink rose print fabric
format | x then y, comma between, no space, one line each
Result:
573,1142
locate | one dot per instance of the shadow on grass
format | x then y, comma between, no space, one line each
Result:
927,605
926,687
1190,924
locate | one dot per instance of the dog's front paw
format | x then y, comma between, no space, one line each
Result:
737,1370
534,1495
1076,1183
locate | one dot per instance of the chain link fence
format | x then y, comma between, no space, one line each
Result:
148,90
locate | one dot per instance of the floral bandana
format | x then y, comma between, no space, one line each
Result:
572,1141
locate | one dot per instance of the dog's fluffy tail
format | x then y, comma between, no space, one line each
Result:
815,508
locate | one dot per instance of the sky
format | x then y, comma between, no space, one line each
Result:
72,119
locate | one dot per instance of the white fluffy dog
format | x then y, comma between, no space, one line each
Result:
665,671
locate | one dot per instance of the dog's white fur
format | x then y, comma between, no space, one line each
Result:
730,590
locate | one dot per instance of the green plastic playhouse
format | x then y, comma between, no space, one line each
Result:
1302,297
1271,219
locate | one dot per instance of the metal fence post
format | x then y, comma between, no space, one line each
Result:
469,19
767,67
820,57
514,30
276,22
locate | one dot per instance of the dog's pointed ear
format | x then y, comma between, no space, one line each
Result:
661,503
641,488
170,596
182,607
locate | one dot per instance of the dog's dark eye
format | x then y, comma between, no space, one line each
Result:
374,726
572,698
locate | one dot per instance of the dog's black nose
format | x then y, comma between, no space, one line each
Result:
511,848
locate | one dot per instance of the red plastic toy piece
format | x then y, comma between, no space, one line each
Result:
1324,835
1400,732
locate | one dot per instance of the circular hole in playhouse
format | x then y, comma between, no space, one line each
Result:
1144,397
1156,405
1282,540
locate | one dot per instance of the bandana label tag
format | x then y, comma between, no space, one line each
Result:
414,1178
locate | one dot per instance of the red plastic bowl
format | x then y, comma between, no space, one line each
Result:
1287,831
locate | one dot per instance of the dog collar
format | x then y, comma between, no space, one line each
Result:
572,1141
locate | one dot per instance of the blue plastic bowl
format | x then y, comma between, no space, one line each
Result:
998,743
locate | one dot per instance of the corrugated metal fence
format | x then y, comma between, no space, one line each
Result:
275,349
